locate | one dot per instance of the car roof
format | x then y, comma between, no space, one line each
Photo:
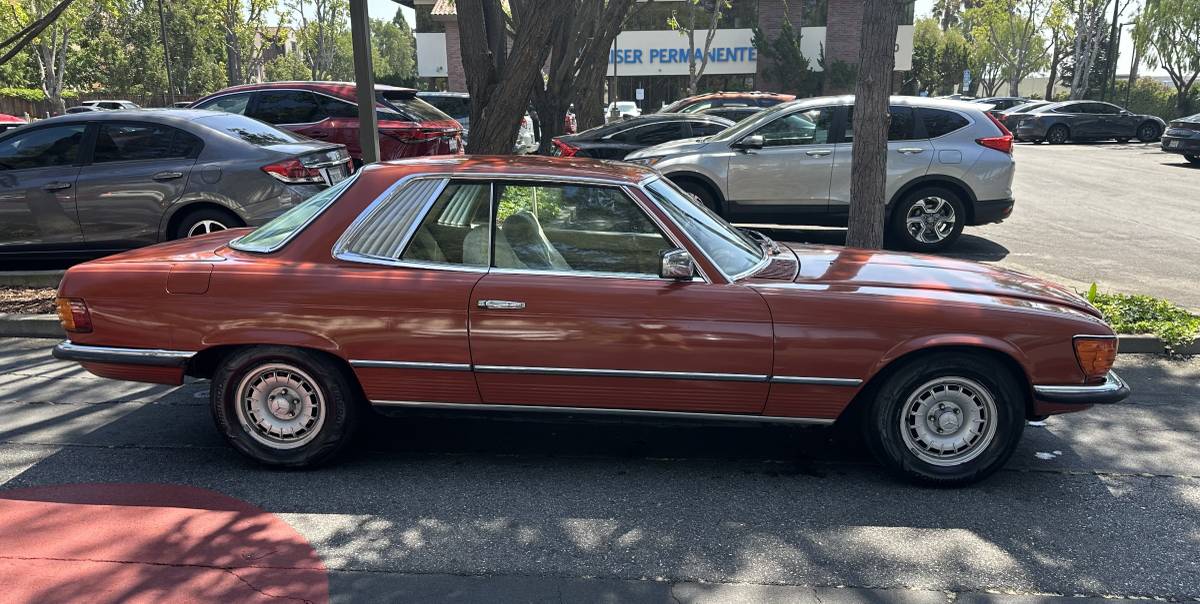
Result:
457,95
911,101
514,165
727,95
176,116
343,89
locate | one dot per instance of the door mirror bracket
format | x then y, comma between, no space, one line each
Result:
754,141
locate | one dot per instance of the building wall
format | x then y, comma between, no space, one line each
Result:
843,31
456,79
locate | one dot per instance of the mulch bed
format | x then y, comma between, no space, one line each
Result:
27,300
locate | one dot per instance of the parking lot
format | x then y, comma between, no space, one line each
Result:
1100,503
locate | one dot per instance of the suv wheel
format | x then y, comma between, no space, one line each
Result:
946,419
1058,135
928,220
1148,132
283,406
702,193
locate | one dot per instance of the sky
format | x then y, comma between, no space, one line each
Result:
385,9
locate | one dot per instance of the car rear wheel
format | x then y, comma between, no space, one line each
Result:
702,193
203,221
1193,159
1058,135
283,406
928,220
946,419
1148,132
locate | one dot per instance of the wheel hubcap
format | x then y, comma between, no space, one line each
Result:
280,406
930,220
948,421
204,227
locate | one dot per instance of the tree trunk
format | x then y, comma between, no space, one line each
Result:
868,170
1055,59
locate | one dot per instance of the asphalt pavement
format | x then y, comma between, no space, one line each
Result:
1126,216
495,508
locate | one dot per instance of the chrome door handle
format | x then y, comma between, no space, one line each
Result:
167,175
910,150
818,152
500,304
56,186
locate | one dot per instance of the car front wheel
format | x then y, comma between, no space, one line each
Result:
283,406
928,220
946,419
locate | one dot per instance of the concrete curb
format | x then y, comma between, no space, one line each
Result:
30,278
30,326
46,326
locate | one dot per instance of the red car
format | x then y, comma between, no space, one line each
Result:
709,100
8,122
328,111
557,284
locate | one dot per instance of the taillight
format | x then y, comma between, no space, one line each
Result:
1002,143
414,135
564,149
292,171
73,314
1095,355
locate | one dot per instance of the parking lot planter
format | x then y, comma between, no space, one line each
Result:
30,326
1175,328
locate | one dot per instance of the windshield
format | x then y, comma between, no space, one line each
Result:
402,106
730,249
273,235
754,121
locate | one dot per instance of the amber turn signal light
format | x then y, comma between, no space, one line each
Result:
74,316
1095,355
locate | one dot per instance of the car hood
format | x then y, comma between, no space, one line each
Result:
683,145
859,268
201,248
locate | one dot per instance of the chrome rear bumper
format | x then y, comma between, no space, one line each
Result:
69,351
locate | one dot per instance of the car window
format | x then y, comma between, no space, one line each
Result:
276,233
233,103
411,109
901,125
696,107
706,128
455,107
653,134
336,108
285,106
939,122
809,127
251,131
1103,108
1069,108
455,230
41,148
577,228
729,248
134,141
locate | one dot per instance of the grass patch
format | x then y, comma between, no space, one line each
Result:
1175,326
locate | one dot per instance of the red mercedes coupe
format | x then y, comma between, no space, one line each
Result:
557,284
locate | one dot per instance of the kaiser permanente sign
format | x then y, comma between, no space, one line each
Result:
665,52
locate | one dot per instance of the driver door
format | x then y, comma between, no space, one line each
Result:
793,167
573,312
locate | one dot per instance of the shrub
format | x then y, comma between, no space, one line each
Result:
1175,326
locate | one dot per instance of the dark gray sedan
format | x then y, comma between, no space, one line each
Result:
1058,123
95,183
1183,137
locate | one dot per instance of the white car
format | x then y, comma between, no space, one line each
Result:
626,109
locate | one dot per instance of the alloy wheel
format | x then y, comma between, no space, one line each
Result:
203,227
930,220
1057,135
280,406
948,421
1147,133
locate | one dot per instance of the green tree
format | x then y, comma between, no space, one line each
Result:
785,63
394,52
285,67
1168,34
1011,31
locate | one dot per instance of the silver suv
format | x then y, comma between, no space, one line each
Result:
949,165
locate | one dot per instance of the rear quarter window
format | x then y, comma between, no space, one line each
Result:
939,122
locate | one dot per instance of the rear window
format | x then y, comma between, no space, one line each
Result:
249,130
273,235
409,108
939,122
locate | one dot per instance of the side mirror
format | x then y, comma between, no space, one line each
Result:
677,264
754,141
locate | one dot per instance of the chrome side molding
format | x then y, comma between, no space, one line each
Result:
815,381
410,365
608,411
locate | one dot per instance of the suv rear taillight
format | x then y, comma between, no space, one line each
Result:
73,314
293,172
564,150
417,135
1002,143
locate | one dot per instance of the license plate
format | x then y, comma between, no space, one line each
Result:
334,174
1172,143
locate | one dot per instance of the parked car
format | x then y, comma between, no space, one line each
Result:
8,122
618,139
408,126
604,289
1058,123
626,109
1001,103
458,106
1009,117
181,104
949,165
111,105
96,183
709,100
734,113
83,109
1183,137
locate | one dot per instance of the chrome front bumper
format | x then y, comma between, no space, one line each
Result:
69,351
1112,390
